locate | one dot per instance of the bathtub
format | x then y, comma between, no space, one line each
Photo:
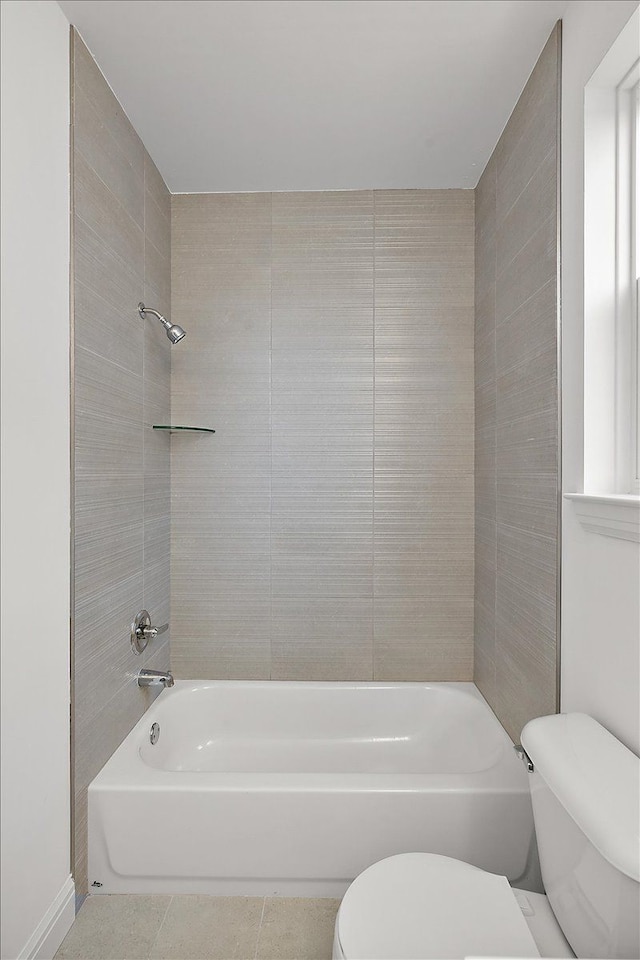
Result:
269,788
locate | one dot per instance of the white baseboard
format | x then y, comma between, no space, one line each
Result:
54,926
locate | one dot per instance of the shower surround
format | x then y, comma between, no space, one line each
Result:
326,531
120,255
517,407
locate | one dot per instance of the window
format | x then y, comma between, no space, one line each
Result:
611,343
610,501
627,283
635,273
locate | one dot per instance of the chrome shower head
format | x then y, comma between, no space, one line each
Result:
173,331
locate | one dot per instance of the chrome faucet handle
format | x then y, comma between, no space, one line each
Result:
152,632
142,631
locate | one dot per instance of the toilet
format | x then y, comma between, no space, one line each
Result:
585,792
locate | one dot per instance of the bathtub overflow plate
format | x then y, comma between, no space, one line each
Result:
154,733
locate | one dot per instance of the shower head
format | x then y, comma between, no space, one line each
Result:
173,331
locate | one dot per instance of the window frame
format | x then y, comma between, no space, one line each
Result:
627,339
609,501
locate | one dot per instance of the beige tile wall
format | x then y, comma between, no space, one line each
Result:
516,407
325,531
423,435
322,435
121,255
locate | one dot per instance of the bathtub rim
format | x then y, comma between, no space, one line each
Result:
126,769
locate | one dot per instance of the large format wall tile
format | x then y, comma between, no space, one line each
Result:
516,444
221,484
103,213
322,444
121,387
321,639
104,154
423,502
325,531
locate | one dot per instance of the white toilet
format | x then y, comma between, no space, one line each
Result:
585,790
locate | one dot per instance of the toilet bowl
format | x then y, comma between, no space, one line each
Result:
585,788
416,906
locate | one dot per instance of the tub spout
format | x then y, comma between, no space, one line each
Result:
155,678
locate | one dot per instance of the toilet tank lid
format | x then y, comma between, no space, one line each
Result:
595,778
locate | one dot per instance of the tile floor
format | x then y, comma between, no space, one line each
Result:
201,928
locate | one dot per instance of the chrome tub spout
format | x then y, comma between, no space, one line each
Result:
155,678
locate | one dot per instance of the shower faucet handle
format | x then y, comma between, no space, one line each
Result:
152,632
142,631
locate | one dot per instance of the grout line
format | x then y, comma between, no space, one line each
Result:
150,242
170,458
495,438
373,466
270,440
264,904
144,371
164,917
167,219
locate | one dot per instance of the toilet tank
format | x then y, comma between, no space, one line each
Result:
585,792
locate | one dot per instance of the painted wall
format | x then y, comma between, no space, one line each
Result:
325,531
121,255
37,890
516,420
600,668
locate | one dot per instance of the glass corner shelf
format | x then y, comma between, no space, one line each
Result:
172,428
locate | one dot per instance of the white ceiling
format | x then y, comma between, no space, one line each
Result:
244,95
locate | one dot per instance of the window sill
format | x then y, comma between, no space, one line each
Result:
610,515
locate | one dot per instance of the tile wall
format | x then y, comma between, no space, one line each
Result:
516,407
326,530
121,255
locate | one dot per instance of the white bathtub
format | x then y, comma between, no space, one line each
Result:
268,788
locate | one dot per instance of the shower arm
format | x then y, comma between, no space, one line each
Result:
142,310
174,332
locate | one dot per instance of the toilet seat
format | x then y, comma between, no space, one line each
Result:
417,906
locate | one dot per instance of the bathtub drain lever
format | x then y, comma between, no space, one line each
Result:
524,756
